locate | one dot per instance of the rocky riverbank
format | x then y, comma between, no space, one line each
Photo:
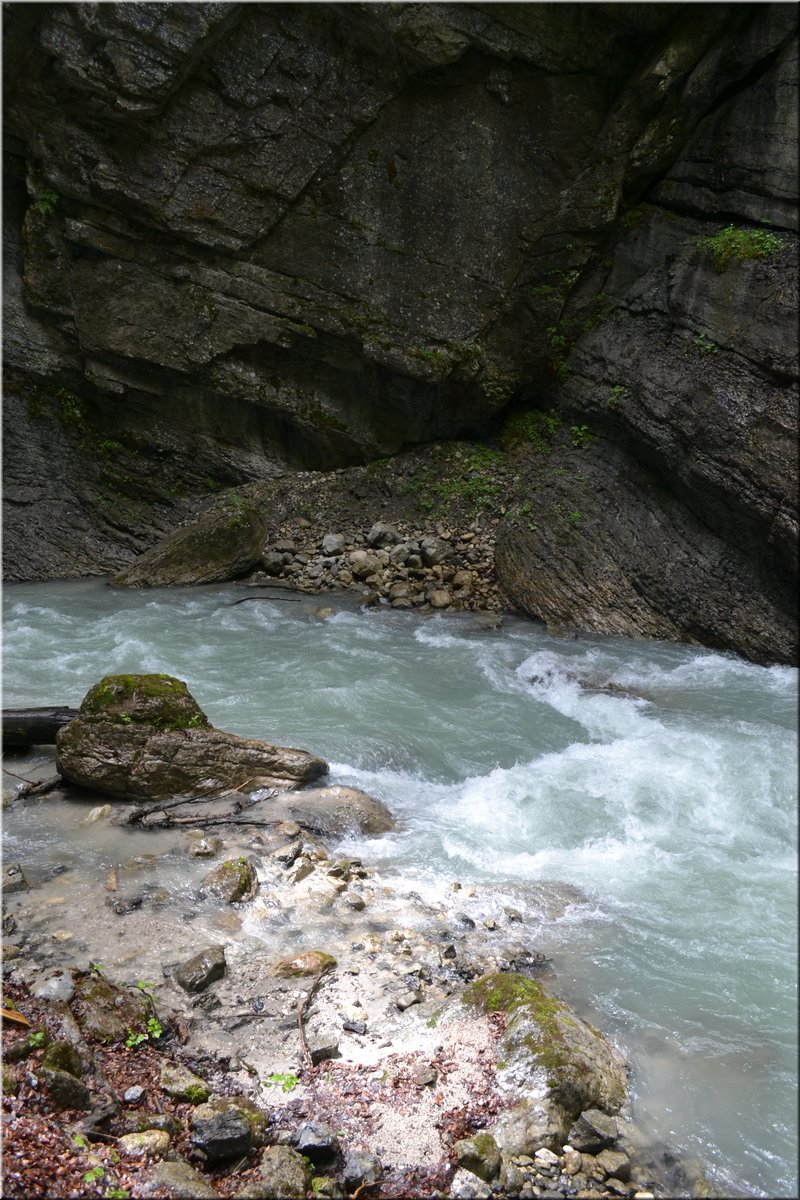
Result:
337,1037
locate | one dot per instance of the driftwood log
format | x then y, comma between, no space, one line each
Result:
34,726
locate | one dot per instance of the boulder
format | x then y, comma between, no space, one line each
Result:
222,544
202,969
144,737
337,811
559,1062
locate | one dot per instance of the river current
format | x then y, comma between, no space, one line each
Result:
659,780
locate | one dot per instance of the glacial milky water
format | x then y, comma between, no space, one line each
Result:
669,799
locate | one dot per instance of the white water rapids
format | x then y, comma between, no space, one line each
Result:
669,799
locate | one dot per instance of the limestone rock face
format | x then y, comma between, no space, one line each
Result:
143,737
243,239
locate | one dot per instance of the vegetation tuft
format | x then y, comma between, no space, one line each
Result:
732,244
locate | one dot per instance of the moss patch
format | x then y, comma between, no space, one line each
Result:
506,991
156,700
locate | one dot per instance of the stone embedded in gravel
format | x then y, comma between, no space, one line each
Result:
317,1141
182,1084
65,1090
150,1143
360,1168
366,566
220,1131
333,544
407,999
440,598
306,962
203,969
282,1175
381,535
178,1181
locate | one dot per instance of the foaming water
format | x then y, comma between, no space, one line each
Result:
659,780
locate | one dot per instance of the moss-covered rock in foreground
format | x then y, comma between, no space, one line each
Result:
144,737
562,1063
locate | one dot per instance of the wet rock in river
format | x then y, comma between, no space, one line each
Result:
338,811
307,962
14,879
233,880
144,737
202,969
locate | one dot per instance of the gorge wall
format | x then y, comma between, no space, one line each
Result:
242,239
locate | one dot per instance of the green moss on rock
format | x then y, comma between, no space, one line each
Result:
506,991
159,701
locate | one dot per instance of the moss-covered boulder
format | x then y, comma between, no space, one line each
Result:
144,737
233,880
224,543
560,1063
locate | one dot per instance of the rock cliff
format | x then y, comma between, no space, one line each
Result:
242,239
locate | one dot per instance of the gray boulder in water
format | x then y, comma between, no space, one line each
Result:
144,737
337,811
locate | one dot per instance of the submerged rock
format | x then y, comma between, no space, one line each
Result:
144,737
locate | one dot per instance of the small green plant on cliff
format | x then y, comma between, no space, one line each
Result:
615,395
705,345
581,436
45,202
735,245
531,427
559,345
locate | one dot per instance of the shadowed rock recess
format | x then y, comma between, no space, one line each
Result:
247,239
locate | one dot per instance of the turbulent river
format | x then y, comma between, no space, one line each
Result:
659,780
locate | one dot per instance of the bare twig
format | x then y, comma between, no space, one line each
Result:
270,599
301,1009
33,788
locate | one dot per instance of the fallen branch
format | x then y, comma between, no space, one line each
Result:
42,788
301,1009
270,599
